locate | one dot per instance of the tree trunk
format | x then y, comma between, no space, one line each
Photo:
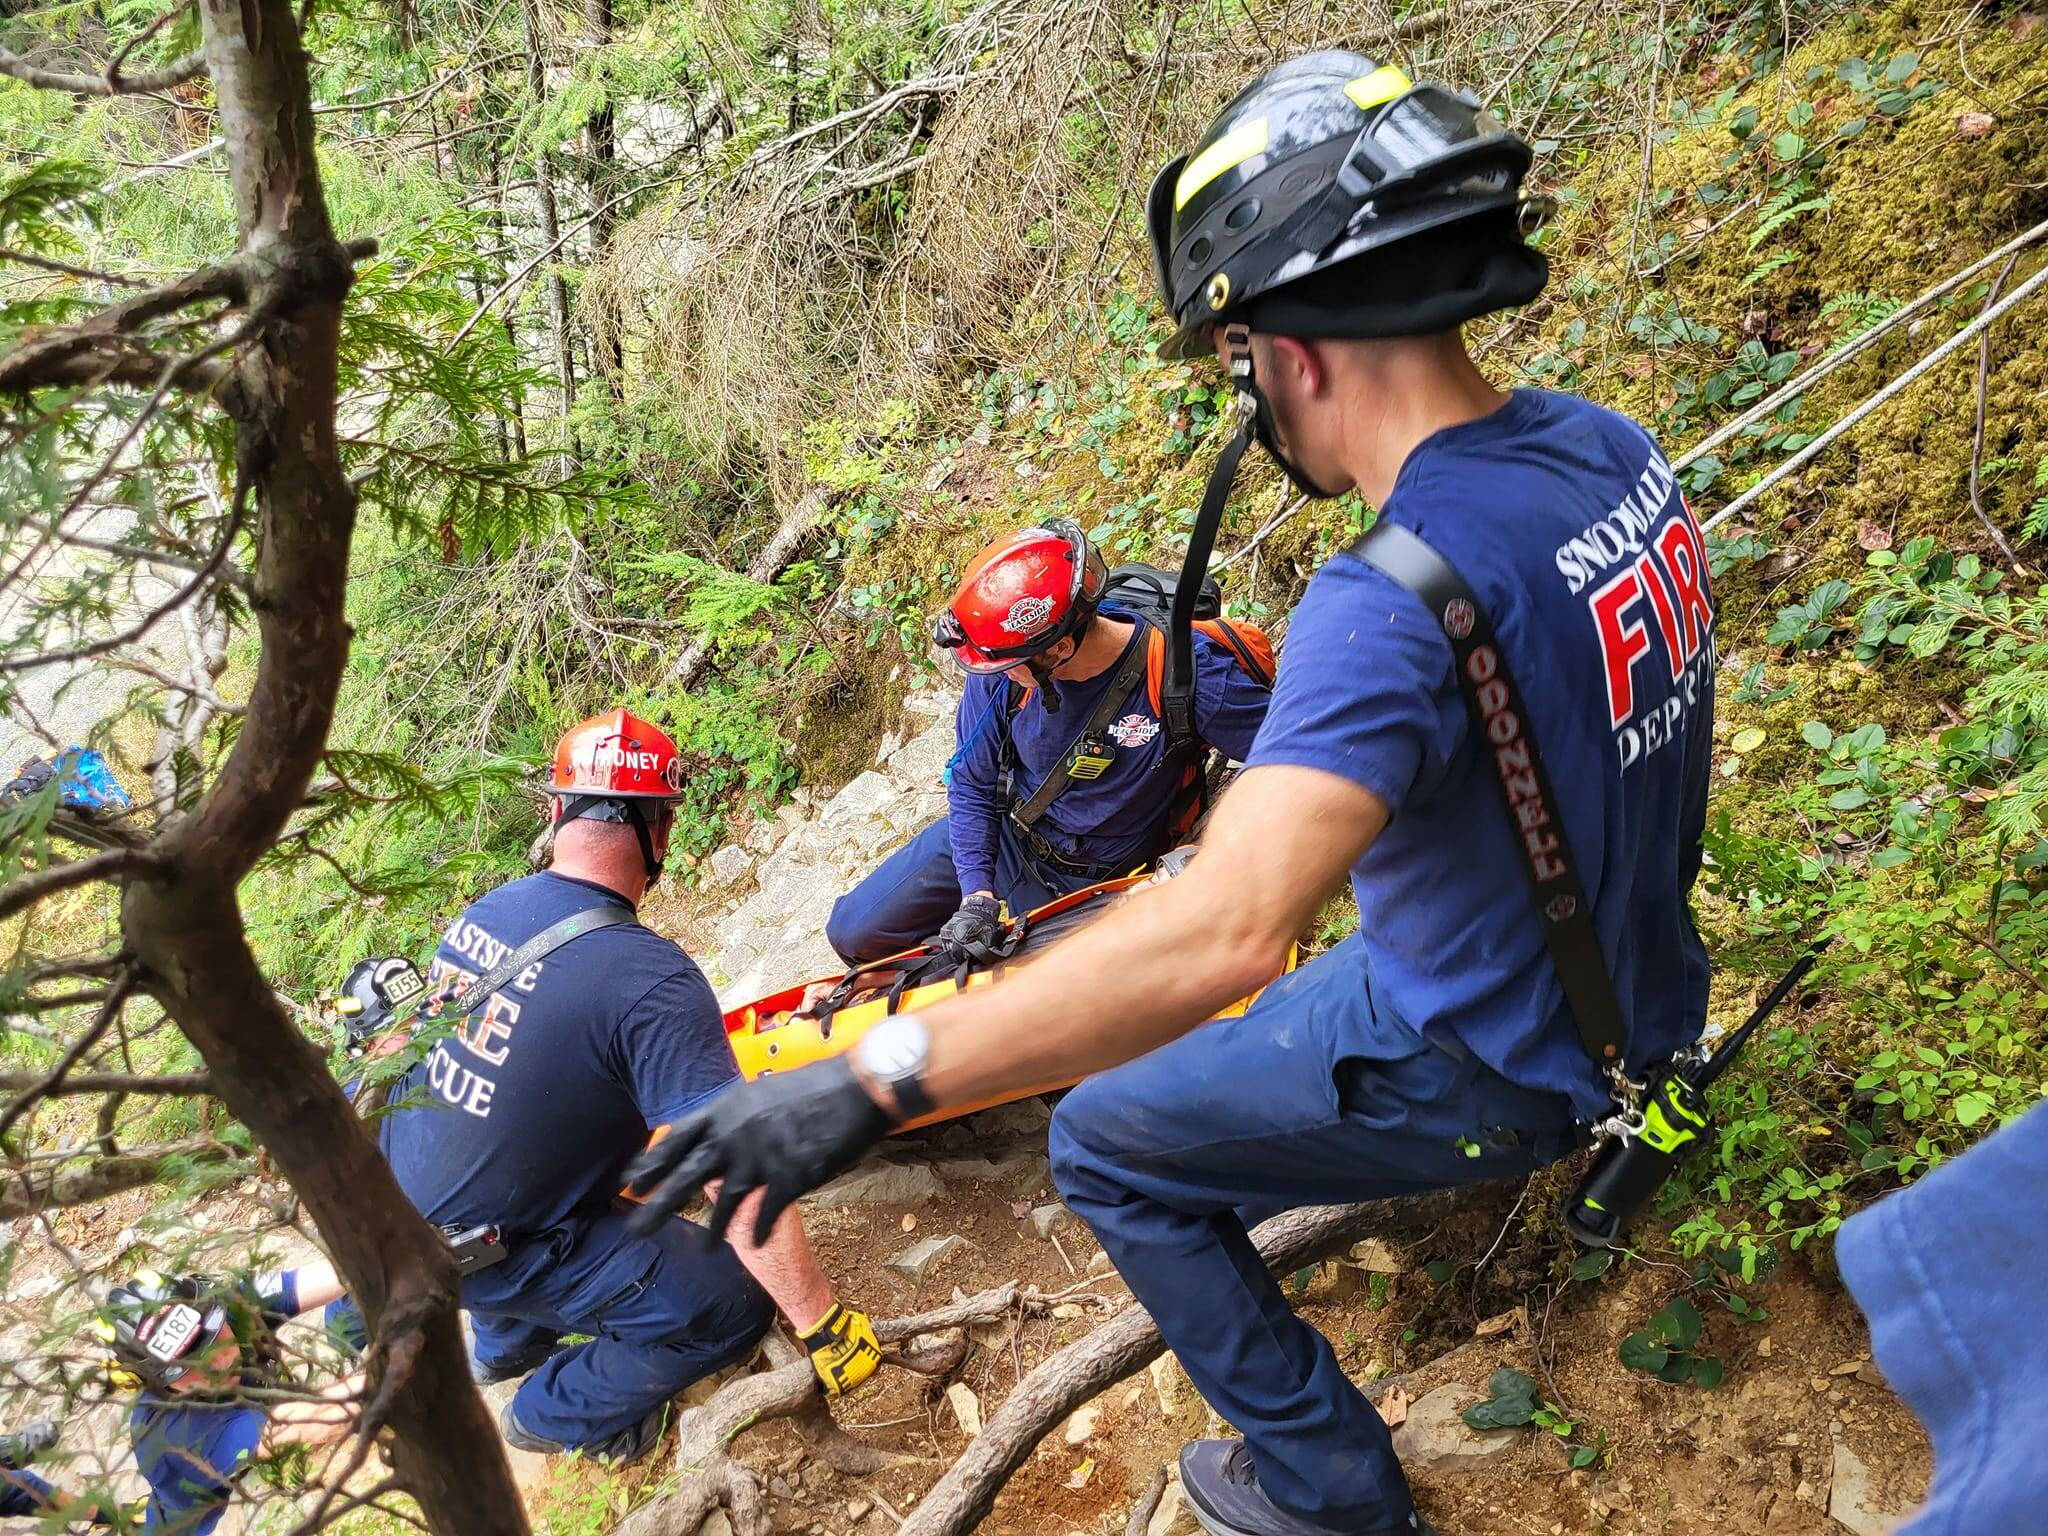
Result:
550,223
600,143
182,923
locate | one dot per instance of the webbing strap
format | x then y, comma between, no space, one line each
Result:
1177,688
371,1098
1500,720
539,947
1114,698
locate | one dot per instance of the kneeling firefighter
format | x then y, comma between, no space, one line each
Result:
1534,580
577,1032
1082,754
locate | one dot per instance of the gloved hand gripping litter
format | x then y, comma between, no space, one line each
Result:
843,1348
783,1134
976,929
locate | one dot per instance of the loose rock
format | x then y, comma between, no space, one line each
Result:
1101,1266
882,1184
1853,1501
966,1408
1436,1436
1048,1219
917,1261
1377,1258
1173,1517
1081,1424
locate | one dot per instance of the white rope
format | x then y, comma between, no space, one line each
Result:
1863,340
1807,454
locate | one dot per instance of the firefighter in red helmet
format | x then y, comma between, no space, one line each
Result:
1064,773
577,1032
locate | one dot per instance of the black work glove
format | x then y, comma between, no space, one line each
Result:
784,1134
976,929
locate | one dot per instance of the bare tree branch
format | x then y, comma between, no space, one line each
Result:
22,1194
117,998
115,81
111,1082
177,599
177,72
51,264
114,864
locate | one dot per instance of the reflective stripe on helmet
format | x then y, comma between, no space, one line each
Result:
1377,88
1227,153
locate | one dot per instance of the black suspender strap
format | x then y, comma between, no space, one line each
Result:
1502,728
1114,698
1177,688
604,915
372,1096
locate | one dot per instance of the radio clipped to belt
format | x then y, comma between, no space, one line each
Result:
475,1248
1661,1119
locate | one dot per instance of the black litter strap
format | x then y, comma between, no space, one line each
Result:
1500,720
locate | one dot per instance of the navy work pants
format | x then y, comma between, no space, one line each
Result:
661,1311
1315,1095
908,899
1949,1273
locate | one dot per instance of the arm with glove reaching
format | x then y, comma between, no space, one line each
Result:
841,1341
974,810
1281,843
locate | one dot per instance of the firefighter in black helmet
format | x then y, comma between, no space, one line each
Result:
1327,238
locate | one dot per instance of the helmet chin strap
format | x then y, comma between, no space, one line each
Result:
575,806
1048,687
1259,418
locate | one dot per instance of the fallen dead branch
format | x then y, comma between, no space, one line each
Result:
709,1478
1128,1342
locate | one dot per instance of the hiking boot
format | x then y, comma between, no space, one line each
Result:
511,1370
25,1444
1224,1493
615,1450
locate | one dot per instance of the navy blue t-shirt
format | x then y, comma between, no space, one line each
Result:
190,1452
1113,819
1566,522
536,1107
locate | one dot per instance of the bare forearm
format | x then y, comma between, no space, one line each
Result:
319,1283
784,1266
1150,971
1115,990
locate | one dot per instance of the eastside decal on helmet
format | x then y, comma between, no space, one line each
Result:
1027,615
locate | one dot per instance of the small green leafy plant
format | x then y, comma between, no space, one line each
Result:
1665,1348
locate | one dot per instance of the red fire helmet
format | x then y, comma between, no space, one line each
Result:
616,756
1023,594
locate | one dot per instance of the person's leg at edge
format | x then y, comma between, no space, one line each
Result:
1159,1156
503,1346
687,1309
904,902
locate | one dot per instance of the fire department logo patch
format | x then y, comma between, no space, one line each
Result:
1458,618
1027,615
1134,730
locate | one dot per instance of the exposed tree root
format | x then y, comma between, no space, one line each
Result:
965,1494
1128,1342
711,1479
